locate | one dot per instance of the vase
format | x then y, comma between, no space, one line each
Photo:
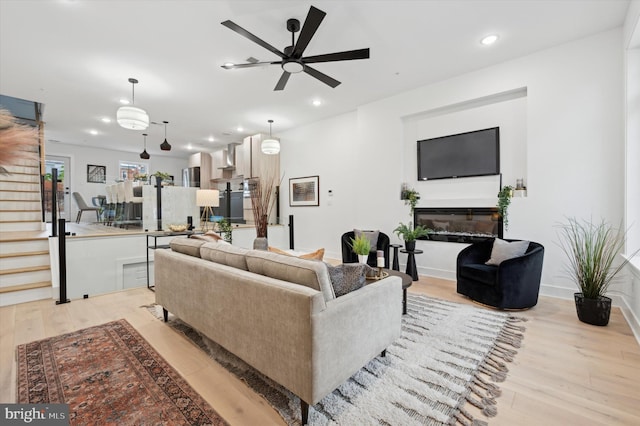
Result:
362,258
593,311
261,243
410,245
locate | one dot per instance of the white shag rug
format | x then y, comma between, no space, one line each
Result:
448,355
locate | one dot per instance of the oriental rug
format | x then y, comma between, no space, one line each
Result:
108,374
448,355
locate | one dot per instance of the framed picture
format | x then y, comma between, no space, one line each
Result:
304,191
96,174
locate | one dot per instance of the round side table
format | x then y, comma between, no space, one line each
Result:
412,270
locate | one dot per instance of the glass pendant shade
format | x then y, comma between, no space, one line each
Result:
132,118
270,146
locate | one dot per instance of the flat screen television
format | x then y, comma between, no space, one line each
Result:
467,154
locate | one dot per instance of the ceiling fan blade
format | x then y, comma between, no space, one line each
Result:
309,28
338,56
232,26
322,77
249,65
283,81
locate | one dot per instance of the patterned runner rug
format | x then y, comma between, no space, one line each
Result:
108,374
448,355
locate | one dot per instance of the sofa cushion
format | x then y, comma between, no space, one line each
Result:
309,273
315,255
503,250
225,254
186,246
486,274
347,277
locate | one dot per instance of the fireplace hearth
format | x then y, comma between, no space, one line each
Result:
460,224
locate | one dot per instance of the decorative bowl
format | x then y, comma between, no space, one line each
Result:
177,228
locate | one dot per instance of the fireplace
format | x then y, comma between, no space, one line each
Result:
460,224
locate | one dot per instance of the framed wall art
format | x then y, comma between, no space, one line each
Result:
96,174
304,191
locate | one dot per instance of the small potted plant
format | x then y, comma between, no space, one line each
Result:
504,200
361,246
225,229
410,234
592,250
161,177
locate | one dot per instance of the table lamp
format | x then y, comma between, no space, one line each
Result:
207,198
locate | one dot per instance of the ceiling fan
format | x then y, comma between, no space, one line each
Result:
292,60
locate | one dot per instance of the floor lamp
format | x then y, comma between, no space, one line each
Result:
207,198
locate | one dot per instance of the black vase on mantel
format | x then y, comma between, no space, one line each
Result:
593,311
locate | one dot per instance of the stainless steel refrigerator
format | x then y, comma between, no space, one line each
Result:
191,177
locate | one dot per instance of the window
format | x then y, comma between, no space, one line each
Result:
128,170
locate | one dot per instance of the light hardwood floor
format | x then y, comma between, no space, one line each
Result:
565,373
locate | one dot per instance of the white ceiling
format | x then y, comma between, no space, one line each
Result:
75,57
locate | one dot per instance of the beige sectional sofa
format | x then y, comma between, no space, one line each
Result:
278,313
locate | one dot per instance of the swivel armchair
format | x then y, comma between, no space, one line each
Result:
513,284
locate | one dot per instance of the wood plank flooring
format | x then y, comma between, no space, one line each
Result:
565,373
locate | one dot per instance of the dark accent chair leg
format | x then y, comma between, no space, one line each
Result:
165,314
383,353
304,410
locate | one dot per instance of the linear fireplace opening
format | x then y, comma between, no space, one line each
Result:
459,224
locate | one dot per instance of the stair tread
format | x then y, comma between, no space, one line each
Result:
24,253
28,286
12,200
14,236
19,210
20,221
25,269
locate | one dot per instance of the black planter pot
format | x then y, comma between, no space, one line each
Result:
593,311
410,245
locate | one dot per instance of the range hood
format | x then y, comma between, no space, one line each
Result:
229,157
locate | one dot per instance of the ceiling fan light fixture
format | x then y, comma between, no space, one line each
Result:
270,146
165,146
293,67
131,117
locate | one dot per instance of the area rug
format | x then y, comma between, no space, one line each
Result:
108,374
449,355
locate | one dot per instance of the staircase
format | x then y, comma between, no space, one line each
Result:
25,271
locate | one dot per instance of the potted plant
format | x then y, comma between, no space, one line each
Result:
592,250
361,246
504,200
161,176
410,234
226,229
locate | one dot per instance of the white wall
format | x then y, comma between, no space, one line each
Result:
573,152
82,156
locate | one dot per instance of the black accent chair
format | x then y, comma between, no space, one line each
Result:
514,284
348,256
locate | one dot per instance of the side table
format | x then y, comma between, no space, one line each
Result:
412,270
156,246
406,283
396,265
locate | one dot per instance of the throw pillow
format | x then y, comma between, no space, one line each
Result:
316,255
347,277
372,236
503,250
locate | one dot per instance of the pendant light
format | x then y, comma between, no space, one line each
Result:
270,146
165,146
144,154
131,117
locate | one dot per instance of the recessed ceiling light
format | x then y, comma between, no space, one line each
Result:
239,129
210,139
93,132
489,40
316,102
105,120
189,147
124,101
